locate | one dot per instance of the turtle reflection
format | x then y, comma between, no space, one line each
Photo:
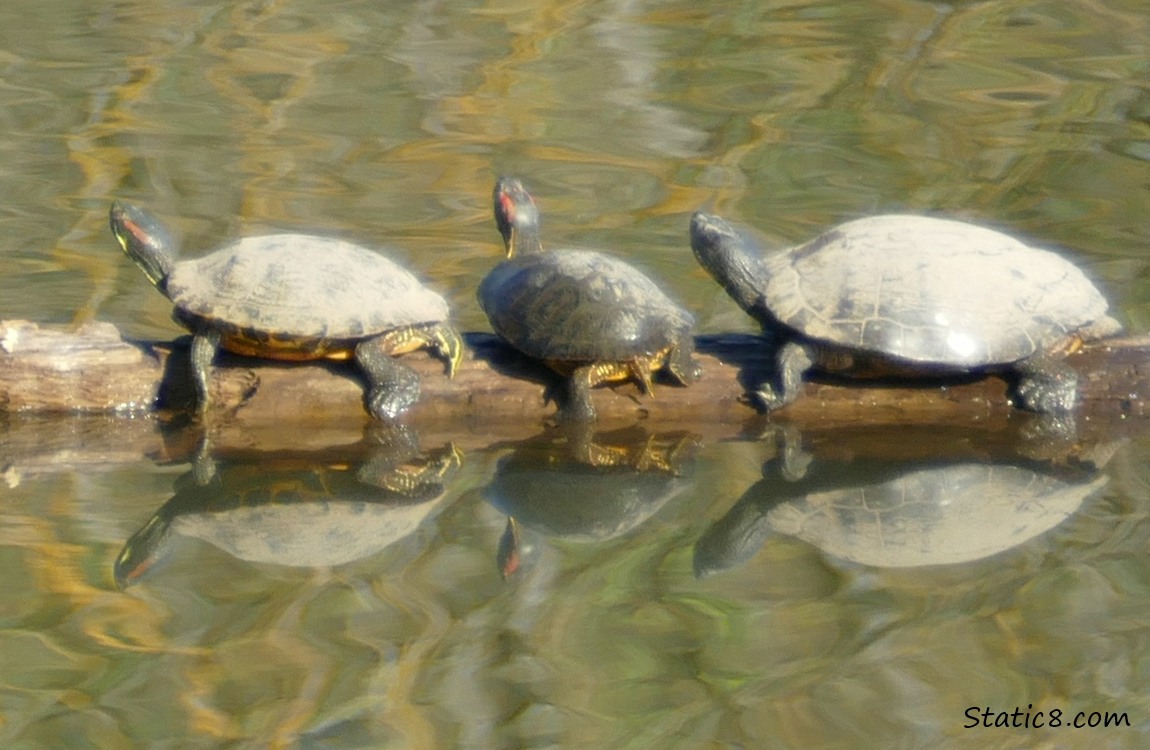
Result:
898,511
578,485
299,509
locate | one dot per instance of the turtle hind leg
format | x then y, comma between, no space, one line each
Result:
1045,384
448,346
205,343
579,384
392,387
791,363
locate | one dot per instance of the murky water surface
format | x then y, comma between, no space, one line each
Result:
657,587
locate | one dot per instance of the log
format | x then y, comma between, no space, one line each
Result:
95,369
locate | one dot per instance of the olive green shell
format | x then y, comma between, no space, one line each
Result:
302,287
580,305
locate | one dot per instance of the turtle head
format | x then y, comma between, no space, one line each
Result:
730,259
516,216
144,240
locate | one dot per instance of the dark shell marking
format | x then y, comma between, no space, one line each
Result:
581,306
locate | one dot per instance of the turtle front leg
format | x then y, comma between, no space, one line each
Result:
205,343
392,387
792,361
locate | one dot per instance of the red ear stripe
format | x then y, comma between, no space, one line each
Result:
135,229
508,206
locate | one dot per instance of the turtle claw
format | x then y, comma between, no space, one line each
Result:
440,338
768,398
448,346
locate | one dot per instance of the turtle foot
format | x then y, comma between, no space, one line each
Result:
791,362
768,398
389,403
1047,391
682,366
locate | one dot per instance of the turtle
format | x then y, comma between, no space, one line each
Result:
295,297
587,315
911,296
298,508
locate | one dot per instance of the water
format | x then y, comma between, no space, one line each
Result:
387,124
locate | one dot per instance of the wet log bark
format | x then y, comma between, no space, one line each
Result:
93,369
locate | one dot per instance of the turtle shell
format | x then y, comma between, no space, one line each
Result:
580,305
302,288
929,290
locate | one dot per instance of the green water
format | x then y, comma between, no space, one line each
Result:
387,123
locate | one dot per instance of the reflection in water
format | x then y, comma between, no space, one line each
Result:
895,512
295,509
585,486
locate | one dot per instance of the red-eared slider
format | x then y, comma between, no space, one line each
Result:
911,296
587,315
296,297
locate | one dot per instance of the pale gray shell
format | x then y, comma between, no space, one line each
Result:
929,290
938,516
580,305
311,534
305,286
